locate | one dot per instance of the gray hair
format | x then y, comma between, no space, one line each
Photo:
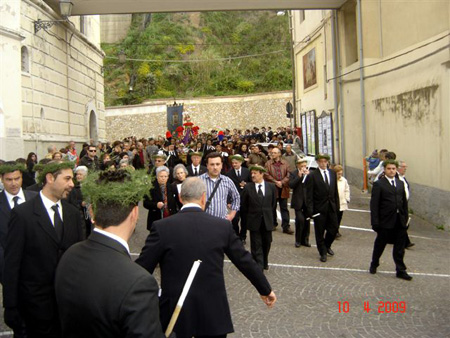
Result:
124,160
192,189
81,168
162,168
178,166
50,148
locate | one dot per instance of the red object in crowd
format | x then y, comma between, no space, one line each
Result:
220,132
168,135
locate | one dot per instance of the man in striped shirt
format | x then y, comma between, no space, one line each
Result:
226,192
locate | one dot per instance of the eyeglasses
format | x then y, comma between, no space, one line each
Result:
93,151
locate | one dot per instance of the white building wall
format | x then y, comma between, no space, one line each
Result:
64,84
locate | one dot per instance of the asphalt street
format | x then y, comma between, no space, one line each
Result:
340,298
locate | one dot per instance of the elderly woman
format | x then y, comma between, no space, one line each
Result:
163,200
76,198
179,174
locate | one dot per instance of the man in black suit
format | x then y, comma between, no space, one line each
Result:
12,196
323,200
196,169
39,232
389,217
298,182
100,291
258,204
176,242
240,177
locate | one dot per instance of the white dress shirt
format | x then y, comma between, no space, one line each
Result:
114,237
391,180
325,173
48,206
10,197
191,205
263,188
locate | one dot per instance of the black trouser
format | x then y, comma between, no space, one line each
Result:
384,236
260,242
339,218
325,222
302,227
285,219
242,233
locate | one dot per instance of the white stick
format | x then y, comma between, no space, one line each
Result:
313,216
184,293
304,177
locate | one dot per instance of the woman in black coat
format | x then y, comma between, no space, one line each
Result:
163,198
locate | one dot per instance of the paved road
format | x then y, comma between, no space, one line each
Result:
309,291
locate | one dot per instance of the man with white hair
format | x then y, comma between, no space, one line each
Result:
176,242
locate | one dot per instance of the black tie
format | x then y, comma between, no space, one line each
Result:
239,175
16,201
326,178
260,193
393,184
195,172
57,222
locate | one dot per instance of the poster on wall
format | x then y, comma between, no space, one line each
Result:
309,69
325,134
174,117
309,132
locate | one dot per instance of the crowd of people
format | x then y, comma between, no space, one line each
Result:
203,198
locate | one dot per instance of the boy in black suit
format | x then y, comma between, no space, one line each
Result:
240,177
258,204
389,217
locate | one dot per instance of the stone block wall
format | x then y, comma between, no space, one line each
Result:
239,112
63,84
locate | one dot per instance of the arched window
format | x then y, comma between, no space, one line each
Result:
93,134
25,59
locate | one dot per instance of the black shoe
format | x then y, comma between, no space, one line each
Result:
338,235
323,258
288,231
330,252
373,270
403,275
243,241
306,244
297,244
410,245
266,267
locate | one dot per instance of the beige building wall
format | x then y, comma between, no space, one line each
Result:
406,60
62,89
114,27
240,112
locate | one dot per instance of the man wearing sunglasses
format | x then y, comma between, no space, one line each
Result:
90,160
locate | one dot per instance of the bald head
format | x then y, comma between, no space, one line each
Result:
193,190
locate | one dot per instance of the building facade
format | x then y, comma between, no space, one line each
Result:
51,81
381,70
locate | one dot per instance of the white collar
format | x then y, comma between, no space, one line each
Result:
191,205
114,237
48,203
10,197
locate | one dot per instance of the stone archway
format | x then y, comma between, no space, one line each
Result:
93,130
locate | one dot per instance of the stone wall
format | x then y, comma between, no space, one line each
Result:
62,90
114,27
240,112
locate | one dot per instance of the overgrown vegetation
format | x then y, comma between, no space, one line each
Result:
199,36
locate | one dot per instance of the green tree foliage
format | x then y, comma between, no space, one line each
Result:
211,44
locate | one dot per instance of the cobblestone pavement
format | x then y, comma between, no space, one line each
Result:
309,291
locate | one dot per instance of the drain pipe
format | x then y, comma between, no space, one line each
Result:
361,82
335,92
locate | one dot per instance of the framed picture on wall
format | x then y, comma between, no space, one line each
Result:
309,69
309,130
325,134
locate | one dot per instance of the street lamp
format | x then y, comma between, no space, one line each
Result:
65,7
